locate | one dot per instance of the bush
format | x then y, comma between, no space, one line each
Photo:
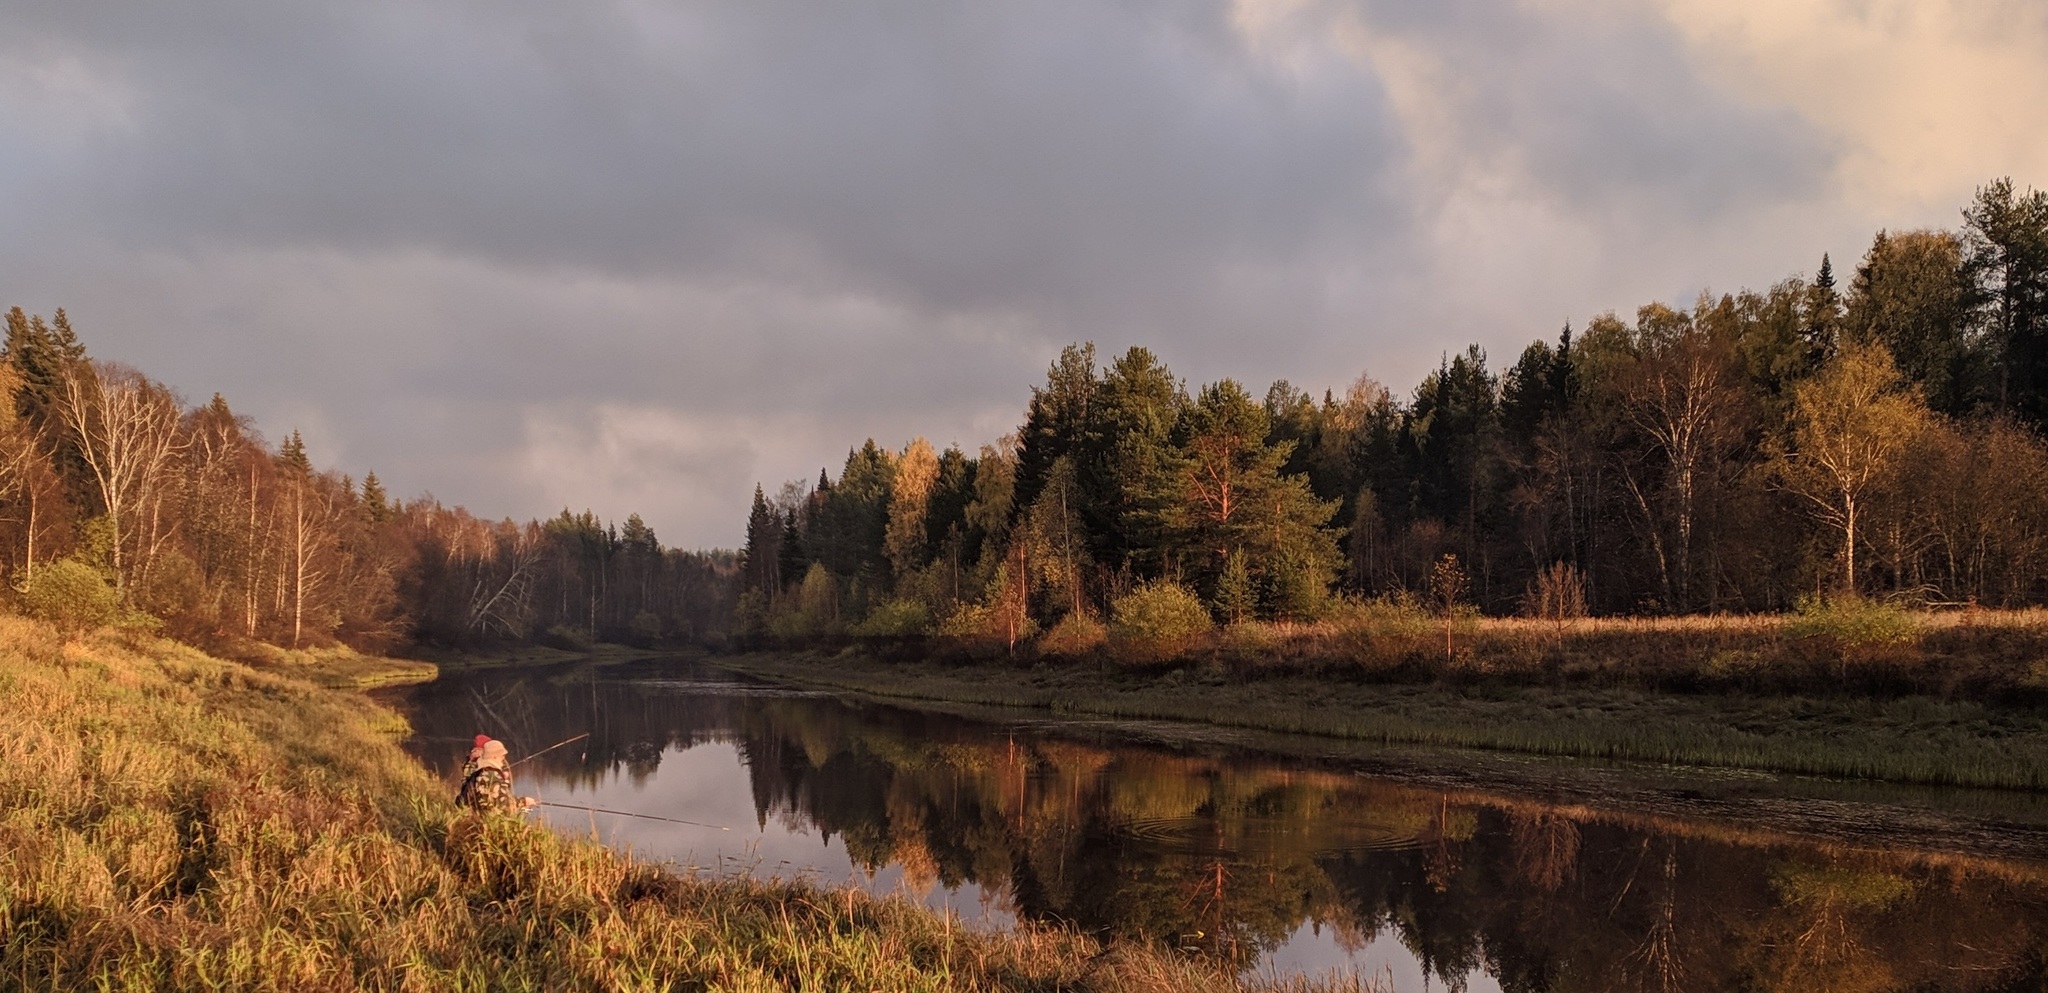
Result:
983,630
1853,629
896,618
72,596
1384,632
1075,636
646,628
1298,588
1158,621
566,637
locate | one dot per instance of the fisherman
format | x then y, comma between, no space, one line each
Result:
487,780
476,754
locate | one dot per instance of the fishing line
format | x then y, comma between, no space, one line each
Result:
628,813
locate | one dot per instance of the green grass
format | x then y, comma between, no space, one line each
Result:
174,821
338,667
1909,739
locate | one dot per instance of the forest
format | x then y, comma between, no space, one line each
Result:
1749,453
1752,452
121,504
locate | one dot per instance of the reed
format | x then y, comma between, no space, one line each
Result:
175,821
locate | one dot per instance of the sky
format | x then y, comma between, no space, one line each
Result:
639,255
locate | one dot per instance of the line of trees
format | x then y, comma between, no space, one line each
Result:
1736,455
119,501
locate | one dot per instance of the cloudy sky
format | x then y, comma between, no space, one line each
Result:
635,255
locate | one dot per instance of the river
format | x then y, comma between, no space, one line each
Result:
1280,855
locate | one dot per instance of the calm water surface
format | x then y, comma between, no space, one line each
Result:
1476,873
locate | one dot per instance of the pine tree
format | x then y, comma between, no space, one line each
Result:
1914,294
2008,241
1222,490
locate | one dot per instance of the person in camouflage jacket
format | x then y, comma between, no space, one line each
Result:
487,780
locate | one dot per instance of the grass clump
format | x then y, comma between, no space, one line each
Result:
171,820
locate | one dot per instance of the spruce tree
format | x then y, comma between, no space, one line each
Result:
1823,317
791,558
291,456
758,559
36,356
376,504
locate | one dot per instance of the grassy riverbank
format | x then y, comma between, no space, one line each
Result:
170,820
1586,704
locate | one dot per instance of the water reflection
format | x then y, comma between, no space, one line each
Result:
1265,863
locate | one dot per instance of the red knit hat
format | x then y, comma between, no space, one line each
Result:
480,739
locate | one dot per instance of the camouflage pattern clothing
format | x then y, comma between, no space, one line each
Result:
487,782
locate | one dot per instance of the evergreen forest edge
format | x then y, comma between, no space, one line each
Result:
1758,452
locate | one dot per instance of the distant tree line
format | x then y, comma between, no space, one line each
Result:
118,502
1737,455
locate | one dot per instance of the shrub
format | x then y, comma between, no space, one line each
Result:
983,629
1384,632
566,637
72,596
1158,621
895,618
1557,594
1075,636
1297,588
1853,629
818,601
646,627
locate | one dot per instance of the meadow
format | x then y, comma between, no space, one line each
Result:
170,820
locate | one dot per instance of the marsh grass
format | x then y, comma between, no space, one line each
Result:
170,820
1496,700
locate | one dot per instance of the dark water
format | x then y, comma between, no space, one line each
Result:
1464,872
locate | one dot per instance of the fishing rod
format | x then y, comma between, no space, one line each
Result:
628,813
548,749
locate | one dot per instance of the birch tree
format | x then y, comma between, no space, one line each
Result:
126,429
1850,424
905,538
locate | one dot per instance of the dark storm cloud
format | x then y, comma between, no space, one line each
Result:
483,242
963,155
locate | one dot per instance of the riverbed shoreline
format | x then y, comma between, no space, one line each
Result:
1907,739
176,820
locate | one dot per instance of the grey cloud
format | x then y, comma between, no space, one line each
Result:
413,225
988,154
1607,111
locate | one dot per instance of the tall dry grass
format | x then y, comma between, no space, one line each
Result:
172,821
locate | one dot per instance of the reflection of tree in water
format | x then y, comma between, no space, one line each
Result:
1656,960
1545,843
1813,942
1228,855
